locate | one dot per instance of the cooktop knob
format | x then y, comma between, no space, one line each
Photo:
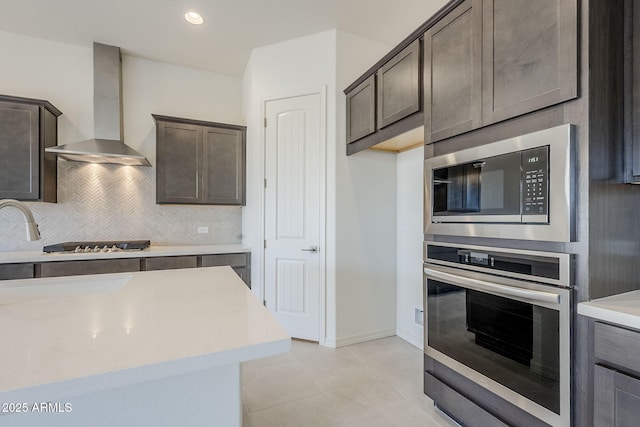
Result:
77,249
87,249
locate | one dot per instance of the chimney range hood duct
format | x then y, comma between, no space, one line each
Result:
107,146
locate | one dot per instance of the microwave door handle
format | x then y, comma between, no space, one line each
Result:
481,285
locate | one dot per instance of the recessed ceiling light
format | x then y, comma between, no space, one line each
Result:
193,18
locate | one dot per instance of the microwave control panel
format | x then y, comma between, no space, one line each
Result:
535,181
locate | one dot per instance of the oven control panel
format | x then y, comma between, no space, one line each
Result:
479,258
538,266
535,182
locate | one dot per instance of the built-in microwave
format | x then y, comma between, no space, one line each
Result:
518,188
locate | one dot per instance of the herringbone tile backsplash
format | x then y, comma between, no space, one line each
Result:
111,202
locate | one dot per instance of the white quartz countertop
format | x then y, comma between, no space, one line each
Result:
75,335
622,309
10,257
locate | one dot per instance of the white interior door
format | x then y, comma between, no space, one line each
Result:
292,213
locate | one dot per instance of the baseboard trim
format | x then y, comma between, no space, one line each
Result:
369,336
410,338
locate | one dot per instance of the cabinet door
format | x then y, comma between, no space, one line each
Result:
19,151
632,90
239,262
98,266
399,86
223,167
452,73
529,56
233,260
616,401
169,262
16,271
361,110
179,161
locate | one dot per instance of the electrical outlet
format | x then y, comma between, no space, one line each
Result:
417,316
203,230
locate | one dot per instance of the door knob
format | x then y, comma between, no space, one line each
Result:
310,249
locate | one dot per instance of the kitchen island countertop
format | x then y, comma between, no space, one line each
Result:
11,257
622,309
73,336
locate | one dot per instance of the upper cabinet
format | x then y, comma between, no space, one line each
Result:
632,91
27,127
361,110
484,61
387,103
199,162
530,54
491,60
399,86
452,73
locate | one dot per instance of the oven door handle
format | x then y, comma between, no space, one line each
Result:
481,285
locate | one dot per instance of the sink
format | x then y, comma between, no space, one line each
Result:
24,290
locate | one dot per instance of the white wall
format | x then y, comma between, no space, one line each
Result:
410,236
57,72
295,67
170,90
360,202
63,75
365,215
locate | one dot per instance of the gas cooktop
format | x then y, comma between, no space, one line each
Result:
99,246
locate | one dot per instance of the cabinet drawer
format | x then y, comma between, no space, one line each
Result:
16,271
617,346
169,262
98,266
233,260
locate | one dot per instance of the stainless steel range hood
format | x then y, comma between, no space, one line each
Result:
108,145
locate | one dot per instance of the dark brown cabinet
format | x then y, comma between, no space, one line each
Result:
387,103
80,268
632,91
484,61
239,262
452,73
616,400
530,53
16,271
399,86
361,110
199,162
27,127
491,60
169,262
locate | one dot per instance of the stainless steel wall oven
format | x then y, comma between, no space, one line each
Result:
519,188
501,318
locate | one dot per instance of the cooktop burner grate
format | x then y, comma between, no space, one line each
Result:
98,246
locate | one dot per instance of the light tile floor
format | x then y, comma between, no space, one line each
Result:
376,383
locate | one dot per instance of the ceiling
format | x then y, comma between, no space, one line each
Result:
156,29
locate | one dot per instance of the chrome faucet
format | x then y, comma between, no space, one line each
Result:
32,227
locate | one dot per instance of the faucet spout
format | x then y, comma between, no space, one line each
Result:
32,228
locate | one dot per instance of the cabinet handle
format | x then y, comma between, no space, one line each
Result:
310,249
